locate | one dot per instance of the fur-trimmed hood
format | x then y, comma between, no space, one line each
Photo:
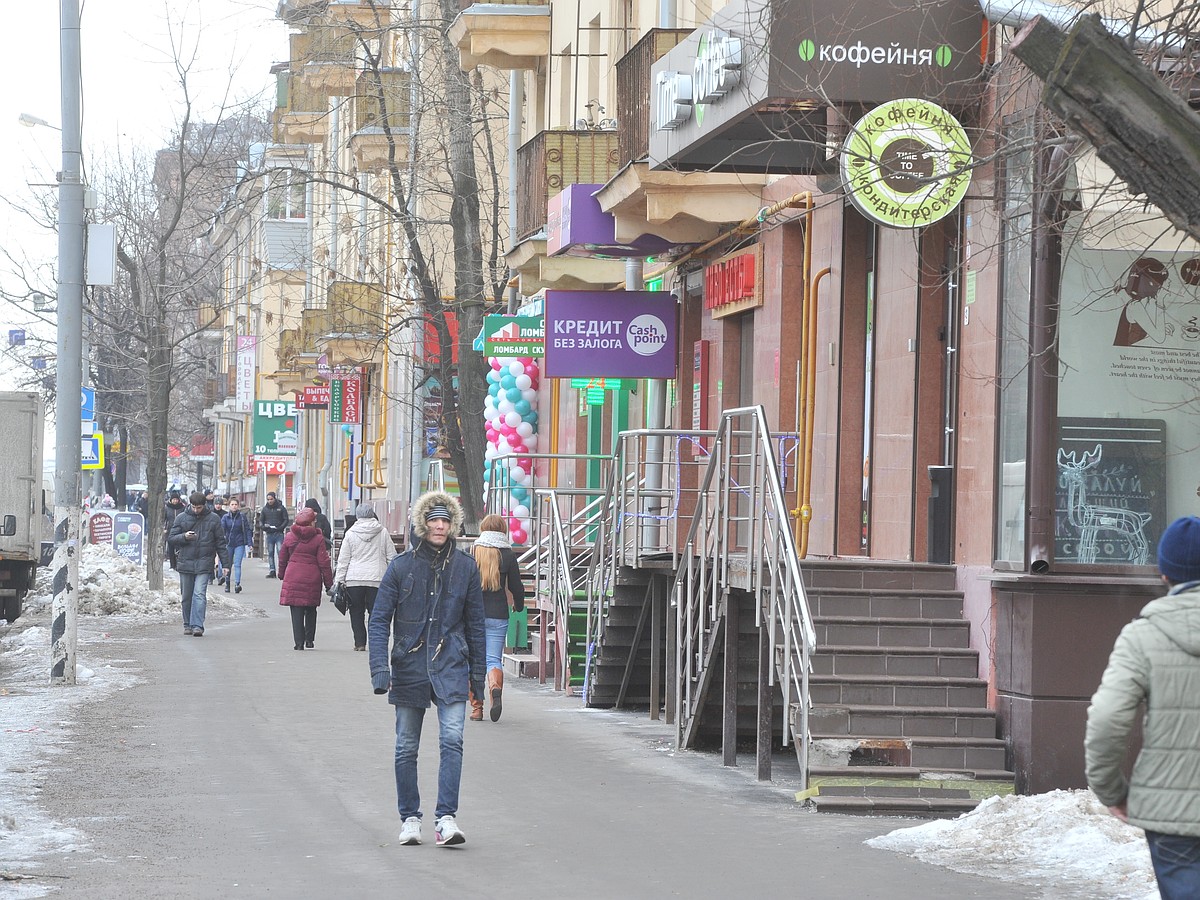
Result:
429,500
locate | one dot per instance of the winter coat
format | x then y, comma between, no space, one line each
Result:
430,606
196,557
238,531
364,555
1156,659
170,511
303,567
274,518
495,603
322,521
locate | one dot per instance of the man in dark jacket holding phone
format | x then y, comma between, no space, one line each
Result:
274,521
196,537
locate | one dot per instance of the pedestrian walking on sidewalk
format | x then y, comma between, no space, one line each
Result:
1156,662
274,521
363,557
239,534
322,522
430,608
503,590
304,570
196,537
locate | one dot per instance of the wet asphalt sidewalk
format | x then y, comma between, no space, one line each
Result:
239,767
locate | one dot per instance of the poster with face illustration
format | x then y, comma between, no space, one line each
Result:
1129,348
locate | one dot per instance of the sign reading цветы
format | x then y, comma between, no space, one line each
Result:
906,164
610,334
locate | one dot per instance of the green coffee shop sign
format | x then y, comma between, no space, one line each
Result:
907,164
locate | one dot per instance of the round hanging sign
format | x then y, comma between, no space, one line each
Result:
906,163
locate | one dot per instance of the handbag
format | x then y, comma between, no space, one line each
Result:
340,601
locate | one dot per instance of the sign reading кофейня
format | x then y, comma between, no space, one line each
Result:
610,334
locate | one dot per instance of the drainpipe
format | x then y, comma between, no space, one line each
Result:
1040,470
516,103
656,415
324,478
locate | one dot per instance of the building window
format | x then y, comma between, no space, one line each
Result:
286,191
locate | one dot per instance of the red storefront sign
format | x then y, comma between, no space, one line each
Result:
313,397
269,465
345,400
731,285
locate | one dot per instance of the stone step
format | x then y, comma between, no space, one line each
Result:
898,690
951,662
892,721
890,790
830,601
938,753
908,807
877,575
892,632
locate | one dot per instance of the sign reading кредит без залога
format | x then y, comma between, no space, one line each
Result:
610,334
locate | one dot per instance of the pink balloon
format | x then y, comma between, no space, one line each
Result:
519,446
526,361
514,524
518,536
531,371
525,463
495,364
492,436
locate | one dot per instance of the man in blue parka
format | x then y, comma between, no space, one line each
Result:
429,604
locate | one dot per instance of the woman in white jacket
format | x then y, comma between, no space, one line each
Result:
366,550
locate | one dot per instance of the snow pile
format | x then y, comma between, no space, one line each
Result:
1061,837
111,585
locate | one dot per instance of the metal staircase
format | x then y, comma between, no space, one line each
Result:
740,543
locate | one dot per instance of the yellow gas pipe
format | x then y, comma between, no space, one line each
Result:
810,403
802,511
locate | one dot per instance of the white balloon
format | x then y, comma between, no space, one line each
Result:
503,448
521,511
524,382
530,440
505,405
530,396
515,369
525,429
490,452
512,418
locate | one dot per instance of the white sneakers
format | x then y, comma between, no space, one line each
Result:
410,831
448,832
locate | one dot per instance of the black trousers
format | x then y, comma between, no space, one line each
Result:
304,623
362,601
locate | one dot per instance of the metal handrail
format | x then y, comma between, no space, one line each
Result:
699,593
563,587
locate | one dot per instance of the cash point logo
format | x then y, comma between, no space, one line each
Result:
860,54
646,335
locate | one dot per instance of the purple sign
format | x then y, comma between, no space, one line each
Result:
577,226
610,334
129,531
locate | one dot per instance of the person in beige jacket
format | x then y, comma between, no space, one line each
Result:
366,550
1156,662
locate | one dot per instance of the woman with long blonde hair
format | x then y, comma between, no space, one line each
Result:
500,580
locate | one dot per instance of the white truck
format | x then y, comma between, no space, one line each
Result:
21,513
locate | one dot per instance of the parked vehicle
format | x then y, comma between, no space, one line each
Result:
21,520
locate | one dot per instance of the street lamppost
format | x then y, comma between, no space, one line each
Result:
69,381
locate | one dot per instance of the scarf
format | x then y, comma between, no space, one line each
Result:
497,539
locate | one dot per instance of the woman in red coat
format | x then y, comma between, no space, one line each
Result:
304,570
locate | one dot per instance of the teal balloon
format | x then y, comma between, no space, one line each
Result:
493,376
494,390
520,494
521,406
532,418
514,395
508,381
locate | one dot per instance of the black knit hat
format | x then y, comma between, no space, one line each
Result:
1179,551
438,512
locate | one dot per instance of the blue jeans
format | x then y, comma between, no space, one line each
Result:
239,553
451,718
1176,860
274,541
494,632
194,589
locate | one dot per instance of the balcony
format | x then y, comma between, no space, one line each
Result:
514,35
302,112
350,329
552,159
354,13
635,91
291,345
386,101
326,56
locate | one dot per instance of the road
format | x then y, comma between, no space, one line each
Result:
239,767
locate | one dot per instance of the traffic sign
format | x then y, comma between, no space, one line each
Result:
91,452
87,403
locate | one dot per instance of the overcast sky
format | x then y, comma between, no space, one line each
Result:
130,90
